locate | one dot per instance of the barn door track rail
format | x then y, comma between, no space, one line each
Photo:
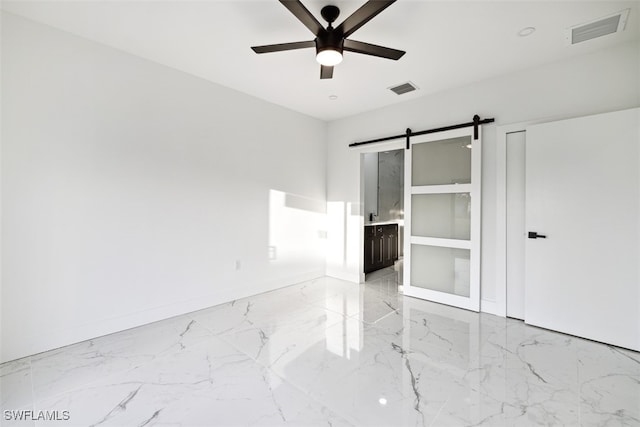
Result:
477,121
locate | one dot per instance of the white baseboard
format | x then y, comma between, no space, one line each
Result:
491,307
343,275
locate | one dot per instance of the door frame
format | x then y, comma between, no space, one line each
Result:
499,306
364,149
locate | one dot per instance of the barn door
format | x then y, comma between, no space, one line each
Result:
442,218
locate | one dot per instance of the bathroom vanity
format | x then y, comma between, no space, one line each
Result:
380,246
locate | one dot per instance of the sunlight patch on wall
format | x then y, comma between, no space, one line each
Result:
297,229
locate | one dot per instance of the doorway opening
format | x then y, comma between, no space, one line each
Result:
383,211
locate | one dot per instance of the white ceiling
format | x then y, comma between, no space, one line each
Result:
448,43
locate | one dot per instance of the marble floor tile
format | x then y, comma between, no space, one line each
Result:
69,367
16,390
16,393
363,303
208,384
385,281
268,342
381,382
328,352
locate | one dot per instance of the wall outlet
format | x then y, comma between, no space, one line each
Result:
272,253
238,265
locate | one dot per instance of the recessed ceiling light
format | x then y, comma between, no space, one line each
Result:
526,31
333,97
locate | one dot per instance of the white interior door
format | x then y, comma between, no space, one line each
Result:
442,218
583,194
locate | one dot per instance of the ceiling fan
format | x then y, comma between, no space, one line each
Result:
331,42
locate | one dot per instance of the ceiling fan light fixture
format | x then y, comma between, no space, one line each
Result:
330,42
329,57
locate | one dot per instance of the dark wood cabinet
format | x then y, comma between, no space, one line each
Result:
380,246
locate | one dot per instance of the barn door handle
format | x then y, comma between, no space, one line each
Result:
534,235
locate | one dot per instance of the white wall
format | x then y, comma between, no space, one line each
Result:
604,81
130,190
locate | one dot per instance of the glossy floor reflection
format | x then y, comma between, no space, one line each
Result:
328,352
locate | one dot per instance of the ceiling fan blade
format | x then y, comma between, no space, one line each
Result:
326,72
283,46
303,15
372,49
363,15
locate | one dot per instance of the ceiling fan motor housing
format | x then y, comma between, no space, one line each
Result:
329,40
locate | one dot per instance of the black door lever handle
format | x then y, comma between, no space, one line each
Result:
534,235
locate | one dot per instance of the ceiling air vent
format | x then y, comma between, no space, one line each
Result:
598,28
403,88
